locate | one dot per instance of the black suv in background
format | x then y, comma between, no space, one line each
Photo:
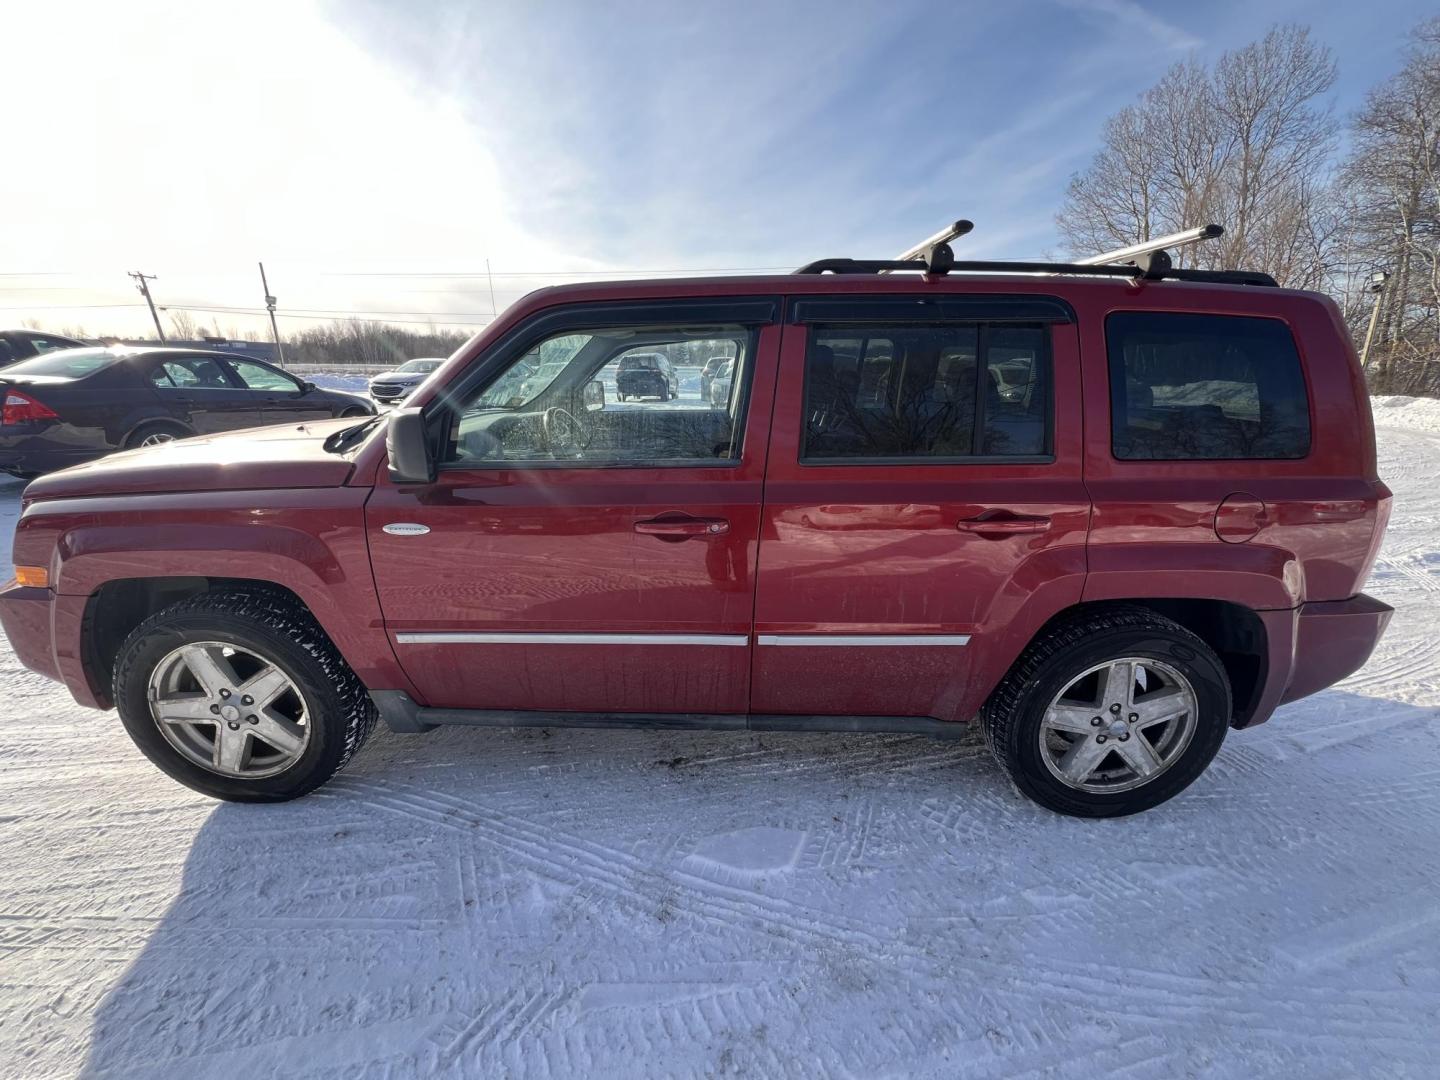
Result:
22,344
648,374
75,405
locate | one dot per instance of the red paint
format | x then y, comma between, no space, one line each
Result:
764,546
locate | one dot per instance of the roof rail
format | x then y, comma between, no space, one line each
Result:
1160,243
877,266
944,236
1147,260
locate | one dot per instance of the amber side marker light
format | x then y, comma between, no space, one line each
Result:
36,577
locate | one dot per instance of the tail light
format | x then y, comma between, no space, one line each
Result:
23,409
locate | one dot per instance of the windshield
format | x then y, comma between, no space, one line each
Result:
419,367
69,363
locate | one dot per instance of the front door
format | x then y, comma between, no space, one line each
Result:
924,483
282,397
577,553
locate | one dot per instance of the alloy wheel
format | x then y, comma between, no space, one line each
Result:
1118,725
229,710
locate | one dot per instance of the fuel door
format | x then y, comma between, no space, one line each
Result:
1239,517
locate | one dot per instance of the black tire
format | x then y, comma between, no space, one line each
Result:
355,410
1012,717
156,427
342,714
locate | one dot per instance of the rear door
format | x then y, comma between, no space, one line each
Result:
574,552
923,489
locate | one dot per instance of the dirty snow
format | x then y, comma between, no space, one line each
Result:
597,904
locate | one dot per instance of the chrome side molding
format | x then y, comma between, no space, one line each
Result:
457,637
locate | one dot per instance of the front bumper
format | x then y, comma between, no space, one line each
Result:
25,615
391,393
45,630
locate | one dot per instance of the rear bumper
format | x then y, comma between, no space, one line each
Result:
1333,640
1315,646
34,453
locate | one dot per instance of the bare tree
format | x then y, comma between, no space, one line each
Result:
1392,181
1246,144
184,326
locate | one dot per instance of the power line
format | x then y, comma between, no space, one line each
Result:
556,273
621,272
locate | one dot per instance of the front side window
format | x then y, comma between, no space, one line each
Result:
926,393
616,396
1205,387
260,377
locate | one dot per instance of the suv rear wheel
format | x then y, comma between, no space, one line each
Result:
1109,714
241,696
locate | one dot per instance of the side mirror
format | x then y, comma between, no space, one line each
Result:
593,396
307,387
408,449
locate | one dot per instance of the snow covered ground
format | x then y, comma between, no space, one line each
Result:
596,904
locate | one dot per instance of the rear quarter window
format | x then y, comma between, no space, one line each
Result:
68,363
1205,387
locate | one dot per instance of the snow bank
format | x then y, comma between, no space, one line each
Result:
1399,411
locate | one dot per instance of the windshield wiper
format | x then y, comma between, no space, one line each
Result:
340,441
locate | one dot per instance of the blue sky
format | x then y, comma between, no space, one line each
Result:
371,152
780,131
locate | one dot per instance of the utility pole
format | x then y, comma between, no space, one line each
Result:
270,307
491,277
1376,286
142,282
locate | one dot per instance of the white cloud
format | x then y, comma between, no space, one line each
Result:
191,140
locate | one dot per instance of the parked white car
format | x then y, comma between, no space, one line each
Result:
392,387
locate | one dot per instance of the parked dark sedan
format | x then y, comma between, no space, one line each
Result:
76,405
16,345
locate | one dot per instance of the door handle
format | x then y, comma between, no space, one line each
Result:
1003,525
682,528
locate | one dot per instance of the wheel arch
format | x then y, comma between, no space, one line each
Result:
1236,633
117,607
147,421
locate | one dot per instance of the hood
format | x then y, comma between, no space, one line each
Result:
285,456
400,377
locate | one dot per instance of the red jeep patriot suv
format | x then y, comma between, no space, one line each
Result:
1110,511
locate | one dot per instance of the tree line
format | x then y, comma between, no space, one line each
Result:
1252,142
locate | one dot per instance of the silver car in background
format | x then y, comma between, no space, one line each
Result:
393,387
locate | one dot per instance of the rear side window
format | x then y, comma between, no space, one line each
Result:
926,393
1205,387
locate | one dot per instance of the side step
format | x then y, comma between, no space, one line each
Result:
402,715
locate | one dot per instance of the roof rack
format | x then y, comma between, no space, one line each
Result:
1147,261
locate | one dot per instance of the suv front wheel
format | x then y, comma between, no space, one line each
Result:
1109,713
240,695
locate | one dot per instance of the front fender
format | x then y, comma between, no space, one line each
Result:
309,541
